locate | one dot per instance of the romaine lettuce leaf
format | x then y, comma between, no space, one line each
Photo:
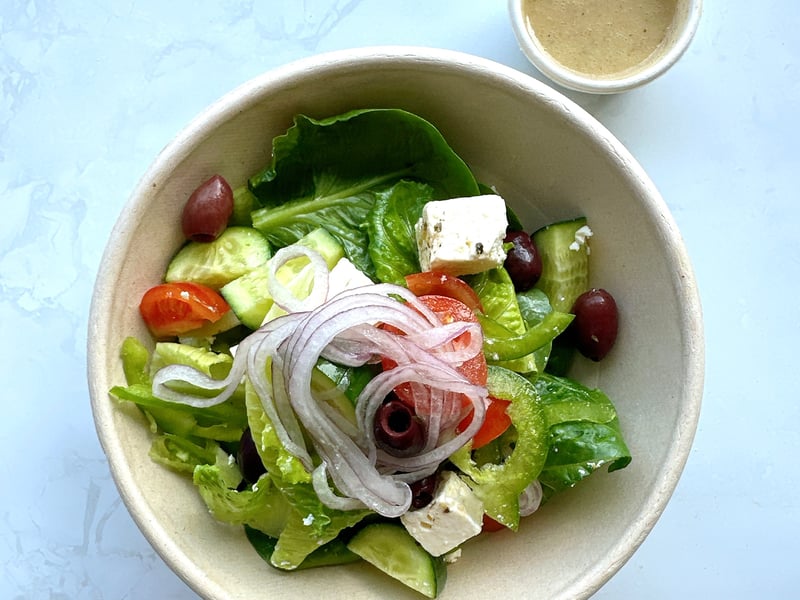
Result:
262,506
135,361
390,226
310,524
334,552
584,433
213,364
223,422
280,463
183,454
325,172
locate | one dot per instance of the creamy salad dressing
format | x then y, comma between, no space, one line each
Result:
600,37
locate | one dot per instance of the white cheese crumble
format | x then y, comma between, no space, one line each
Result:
453,556
581,236
308,520
345,276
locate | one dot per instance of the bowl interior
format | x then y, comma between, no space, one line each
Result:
550,160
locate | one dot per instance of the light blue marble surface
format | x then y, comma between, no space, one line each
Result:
91,91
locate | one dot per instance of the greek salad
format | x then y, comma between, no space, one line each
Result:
361,355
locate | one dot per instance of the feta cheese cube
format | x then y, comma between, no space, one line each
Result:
453,516
345,276
461,236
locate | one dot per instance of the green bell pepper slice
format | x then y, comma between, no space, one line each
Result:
499,485
499,343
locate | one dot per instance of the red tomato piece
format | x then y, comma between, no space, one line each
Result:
449,310
442,284
172,309
494,425
489,524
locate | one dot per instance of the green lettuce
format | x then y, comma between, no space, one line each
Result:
309,524
223,422
262,507
584,433
334,552
327,172
390,226
183,454
216,365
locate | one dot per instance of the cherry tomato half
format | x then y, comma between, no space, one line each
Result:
494,425
442,284
450,310
172,309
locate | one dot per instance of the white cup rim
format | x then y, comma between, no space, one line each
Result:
574,80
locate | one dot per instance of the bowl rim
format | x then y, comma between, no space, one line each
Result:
574,80
247,94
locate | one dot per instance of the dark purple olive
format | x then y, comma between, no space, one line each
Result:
207,211
397,429
248,459
594,328
422,491
523,261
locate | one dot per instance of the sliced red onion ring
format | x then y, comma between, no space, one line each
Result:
319,479
530,499
282,296
200,380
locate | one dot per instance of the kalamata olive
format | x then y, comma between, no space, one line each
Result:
523,261
594,329
397,429
206,213
422,491
248,459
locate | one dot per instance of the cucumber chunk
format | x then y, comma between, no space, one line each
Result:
565,262
235,252
244,203
248,295
390,548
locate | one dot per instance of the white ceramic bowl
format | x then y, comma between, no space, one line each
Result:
677,39
551,160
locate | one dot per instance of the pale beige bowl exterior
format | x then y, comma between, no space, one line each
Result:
551,160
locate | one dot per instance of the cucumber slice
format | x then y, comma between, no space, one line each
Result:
390,548
244,203
565,262
235,252
248,295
